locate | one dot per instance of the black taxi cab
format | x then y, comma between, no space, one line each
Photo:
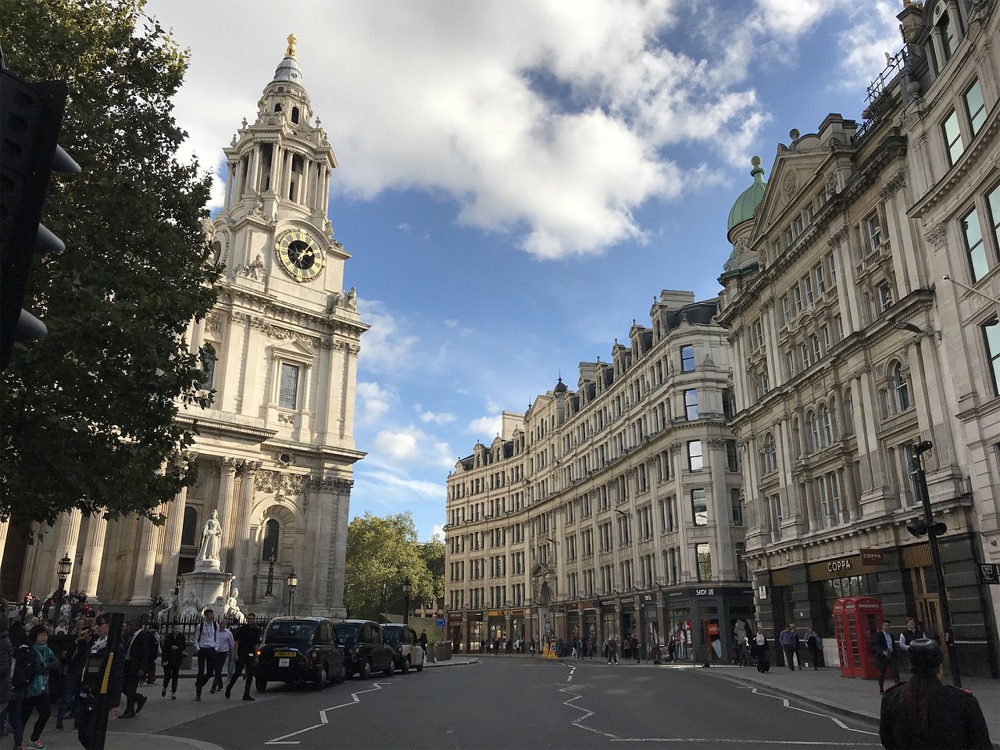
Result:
299,649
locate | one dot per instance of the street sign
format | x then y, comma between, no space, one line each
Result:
989,574
439,622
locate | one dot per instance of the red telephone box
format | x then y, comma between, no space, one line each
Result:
855,620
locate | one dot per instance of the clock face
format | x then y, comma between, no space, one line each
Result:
299,255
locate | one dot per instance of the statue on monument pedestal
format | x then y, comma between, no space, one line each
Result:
233,612
191,610
211,542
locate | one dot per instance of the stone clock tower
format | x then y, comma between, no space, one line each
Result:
275,451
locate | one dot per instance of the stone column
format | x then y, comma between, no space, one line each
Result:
145,564
68,539
225,502
341,498
240,549
93,553
317,499
172,539
4,527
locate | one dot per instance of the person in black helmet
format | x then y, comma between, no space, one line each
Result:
923,713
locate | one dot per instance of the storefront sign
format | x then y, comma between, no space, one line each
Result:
647,597
455,617
476,616
989,574
703,592
517,613
713,628
496,613
872,557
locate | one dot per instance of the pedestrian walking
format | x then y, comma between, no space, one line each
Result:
206,635
634,643
612,650
423,640
225,647
174,649
152,636
926,713
815,647
886,655
91,666
912,633
11,698
136,659
248,637
789,645
69,677
762,652
36,695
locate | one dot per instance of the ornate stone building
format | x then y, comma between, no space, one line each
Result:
610,510
849,348
276,449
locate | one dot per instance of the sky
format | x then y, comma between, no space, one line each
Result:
518,179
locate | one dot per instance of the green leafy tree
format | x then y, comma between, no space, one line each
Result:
432,553
88,413
381,553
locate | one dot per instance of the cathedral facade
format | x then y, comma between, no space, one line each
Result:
275,451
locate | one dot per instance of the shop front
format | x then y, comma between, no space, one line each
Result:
476,632
456,624
590,628
517,627
649,624
703,622
496,630
629,623
609,621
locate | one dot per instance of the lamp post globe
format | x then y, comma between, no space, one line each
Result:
292,581
63,568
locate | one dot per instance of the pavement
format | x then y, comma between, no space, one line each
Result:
150,730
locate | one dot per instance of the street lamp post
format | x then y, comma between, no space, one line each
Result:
927,526
269,591
291,582
406,601
63,569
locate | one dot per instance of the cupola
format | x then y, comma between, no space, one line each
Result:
744,207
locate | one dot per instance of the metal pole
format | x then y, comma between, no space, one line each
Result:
925,501
406,608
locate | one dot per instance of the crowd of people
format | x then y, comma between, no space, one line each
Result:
53,661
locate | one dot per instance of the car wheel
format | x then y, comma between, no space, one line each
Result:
406,666
261,684
391,668
366,669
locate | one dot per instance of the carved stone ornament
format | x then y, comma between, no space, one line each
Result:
791,184
281,483
330,484
213,323
894,185
936,235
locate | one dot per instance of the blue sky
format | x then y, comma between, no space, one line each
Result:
518,180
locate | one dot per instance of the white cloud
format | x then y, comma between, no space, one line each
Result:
374,402
436,417
874,31
385,344
551,122
487,428
437,530
410,445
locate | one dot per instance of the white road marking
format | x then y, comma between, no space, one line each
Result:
323,716
787,703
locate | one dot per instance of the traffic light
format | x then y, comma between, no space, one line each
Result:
30,118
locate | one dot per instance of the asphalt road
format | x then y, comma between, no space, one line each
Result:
516,703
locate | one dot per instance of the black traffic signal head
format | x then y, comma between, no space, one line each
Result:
30,118
917,528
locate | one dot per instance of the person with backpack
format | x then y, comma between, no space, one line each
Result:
815,646
11,698
40,662
206,642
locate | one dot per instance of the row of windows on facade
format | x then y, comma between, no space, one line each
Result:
581,545
617,491
615,447
289,375
601,581
653,378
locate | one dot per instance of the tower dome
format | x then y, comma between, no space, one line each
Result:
749,199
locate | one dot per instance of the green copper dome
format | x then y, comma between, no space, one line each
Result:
747,203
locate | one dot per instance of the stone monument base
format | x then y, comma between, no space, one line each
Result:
211,587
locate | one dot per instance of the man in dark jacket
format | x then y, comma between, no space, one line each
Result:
136,659
247,637
90,664
174,651
886,655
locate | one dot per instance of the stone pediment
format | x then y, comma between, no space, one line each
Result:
294,349
793,177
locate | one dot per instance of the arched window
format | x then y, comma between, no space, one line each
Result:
814,443
189,531
900,388
826,434
270,545
295,114
208,360
277,107
770,453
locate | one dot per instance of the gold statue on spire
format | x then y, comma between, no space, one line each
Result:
290,52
